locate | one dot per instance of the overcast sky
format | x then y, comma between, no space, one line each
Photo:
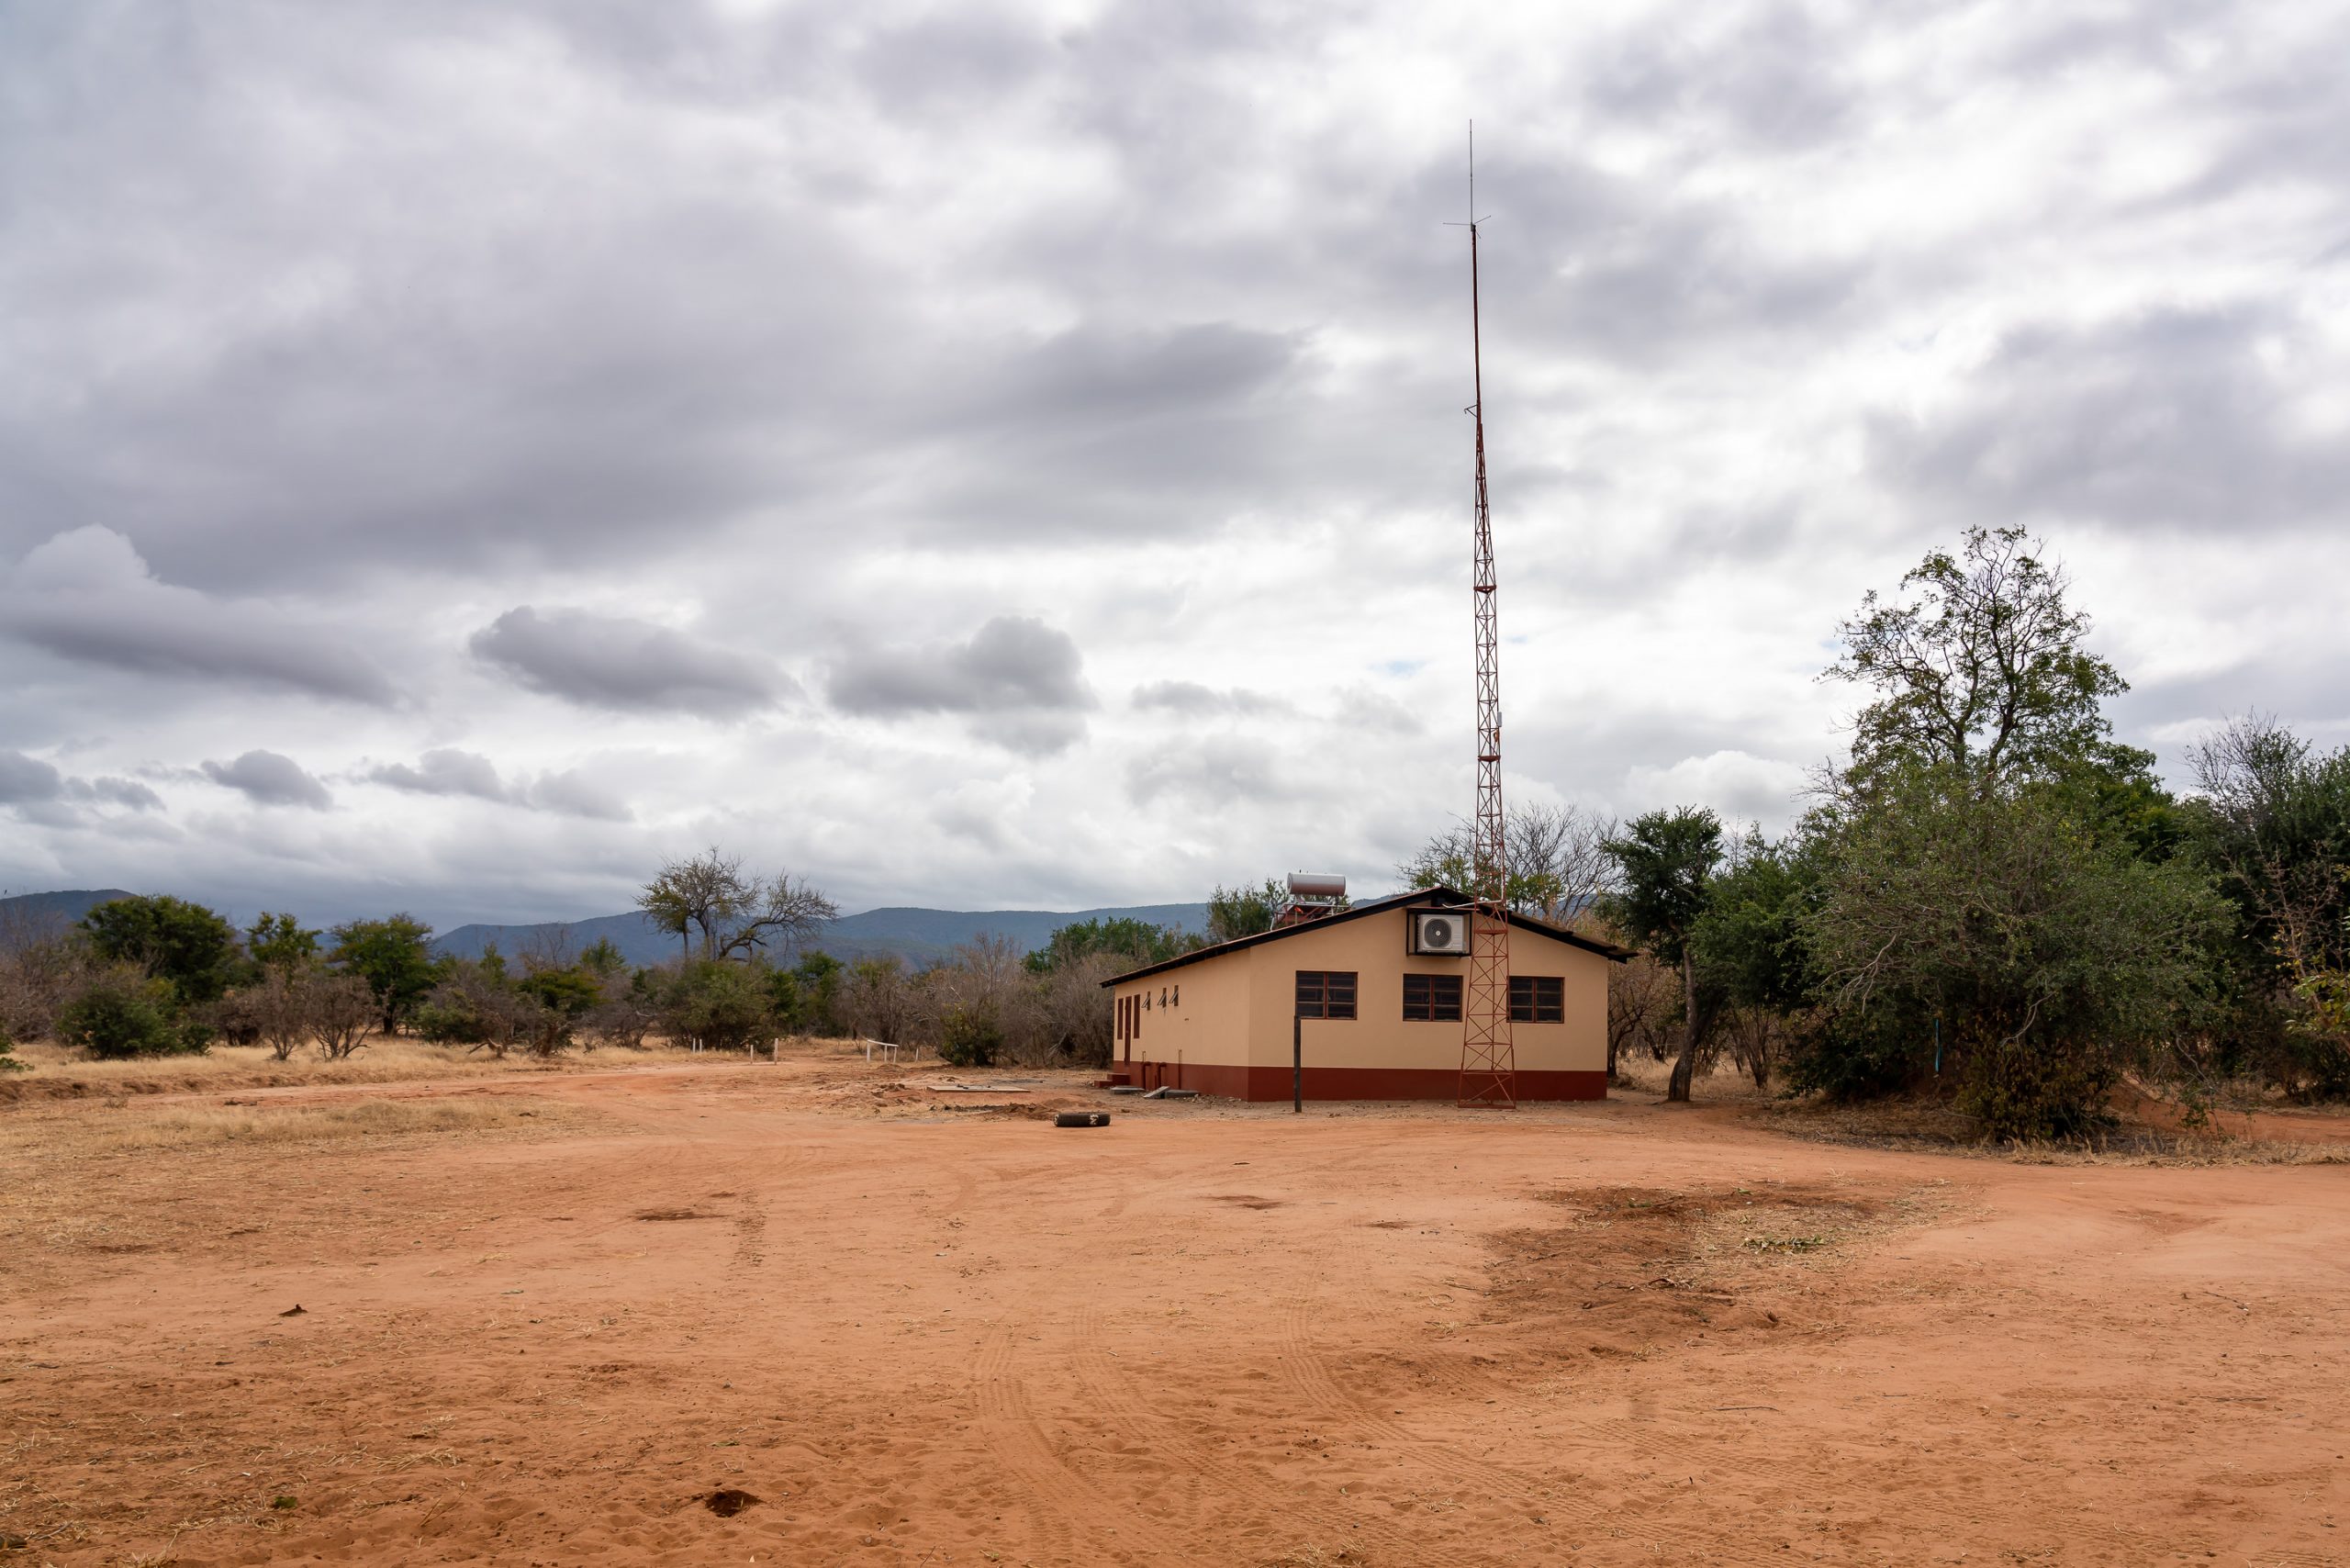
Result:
454,454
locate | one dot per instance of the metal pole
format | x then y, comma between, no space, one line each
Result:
1297,1066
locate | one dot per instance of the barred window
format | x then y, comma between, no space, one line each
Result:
1538,998
1325,993
1433,999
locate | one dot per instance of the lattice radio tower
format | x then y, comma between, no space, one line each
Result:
1488,1057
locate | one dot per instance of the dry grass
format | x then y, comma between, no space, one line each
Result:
1727,1084
1928,1126
197,1126
84,1182
59,1073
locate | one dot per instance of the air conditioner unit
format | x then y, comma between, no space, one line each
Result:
1440,933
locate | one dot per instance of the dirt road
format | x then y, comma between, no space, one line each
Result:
1609,1334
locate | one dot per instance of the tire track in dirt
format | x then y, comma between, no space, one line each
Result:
1308,1372
1060,1497
1914,1507
1111,1389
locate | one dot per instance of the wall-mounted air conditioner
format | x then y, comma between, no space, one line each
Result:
1440,933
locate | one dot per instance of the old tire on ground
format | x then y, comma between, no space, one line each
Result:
1081,1119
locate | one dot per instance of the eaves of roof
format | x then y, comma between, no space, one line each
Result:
1422,898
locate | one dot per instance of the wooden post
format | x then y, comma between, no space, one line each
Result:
1297,1066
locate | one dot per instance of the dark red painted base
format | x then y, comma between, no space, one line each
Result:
1354,1082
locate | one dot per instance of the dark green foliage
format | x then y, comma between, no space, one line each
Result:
603,960
2274,825
8,1062
1235,913
184,944
1121,935
1664,864
1665,861
971,1037
279,941
571,992
392,956
803,999
723,1004
2048,954
117,1017
1749,936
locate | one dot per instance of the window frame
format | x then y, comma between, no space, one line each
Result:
1326,1001
1441,1000
1545,998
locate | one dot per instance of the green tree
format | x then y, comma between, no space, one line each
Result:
1235,913
184,944
1749,943
279,943
1121,936
392,957
2273,820
119,1015
603,960
1978,669
1664,863
724,1005
2047,953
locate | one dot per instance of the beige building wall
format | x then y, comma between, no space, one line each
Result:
1230,1027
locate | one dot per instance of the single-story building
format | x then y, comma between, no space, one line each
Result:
1380,988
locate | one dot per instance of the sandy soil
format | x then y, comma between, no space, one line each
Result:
579,1318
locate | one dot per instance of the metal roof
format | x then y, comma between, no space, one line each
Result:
1421,898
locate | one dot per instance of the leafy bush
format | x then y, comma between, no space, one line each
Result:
2051,957
970,1036
724,1005
8,1062
184,944
117,1017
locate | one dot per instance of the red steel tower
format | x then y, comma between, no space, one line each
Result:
1488,1058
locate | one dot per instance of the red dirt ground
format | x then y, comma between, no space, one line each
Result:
915,1333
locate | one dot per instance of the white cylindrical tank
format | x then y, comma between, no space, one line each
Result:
1316,885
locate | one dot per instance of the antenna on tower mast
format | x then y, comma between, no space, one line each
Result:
1488,1055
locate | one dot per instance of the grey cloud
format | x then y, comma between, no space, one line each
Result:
1012,662
444,771
1770,76
611,661
2170,418
1191,696
574,794
1224,770
450,772
270,779
87,596
26,780
1021,681
128,794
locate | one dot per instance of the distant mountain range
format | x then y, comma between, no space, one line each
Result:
30,916
919,937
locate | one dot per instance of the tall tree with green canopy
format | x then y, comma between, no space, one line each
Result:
188,946
392,956
279,944
1979,668
1665,863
